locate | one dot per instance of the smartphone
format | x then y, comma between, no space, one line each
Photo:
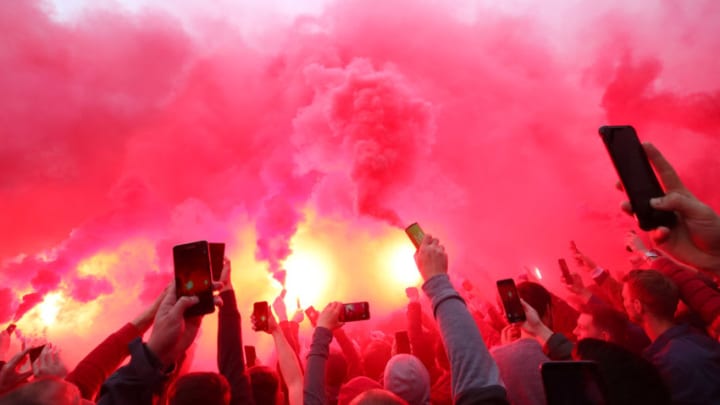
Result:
573,382
217,259
34,353
355,311
416,234
11,328
312,314
567,277
261,312
250,356
637,175
514,310
402,342
193,276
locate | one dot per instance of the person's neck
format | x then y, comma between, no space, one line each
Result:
654,327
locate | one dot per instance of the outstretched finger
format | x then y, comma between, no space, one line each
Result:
668,175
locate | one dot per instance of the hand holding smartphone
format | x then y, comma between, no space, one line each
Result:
355,311
637,176
260,316
510,298
193,276
312,315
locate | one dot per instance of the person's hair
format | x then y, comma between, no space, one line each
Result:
199,388
375,357
43,391
629,378
609,320
377,396
536,296
655,291
265,384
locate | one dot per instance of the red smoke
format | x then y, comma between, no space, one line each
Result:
126,133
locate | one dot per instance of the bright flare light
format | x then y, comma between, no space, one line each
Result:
308,276
403,269
50,307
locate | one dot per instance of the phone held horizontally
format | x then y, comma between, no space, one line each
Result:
637,175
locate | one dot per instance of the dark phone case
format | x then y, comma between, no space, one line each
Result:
201,251
565,270
34,353
217,259
516,314
402,342
573,382
250,356
636,175
261,312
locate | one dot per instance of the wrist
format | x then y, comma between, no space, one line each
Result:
155,352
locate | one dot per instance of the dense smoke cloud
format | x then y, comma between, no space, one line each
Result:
125,133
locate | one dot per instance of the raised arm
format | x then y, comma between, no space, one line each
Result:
314,390
230,356
475,376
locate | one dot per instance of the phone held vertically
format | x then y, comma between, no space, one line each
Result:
250,356
510,298
193,276
261,313
312,314
355,311
637,175
217,259
567,277
416,234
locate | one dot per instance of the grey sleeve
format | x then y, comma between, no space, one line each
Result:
474,373
314,389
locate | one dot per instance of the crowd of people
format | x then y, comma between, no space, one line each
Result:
651,334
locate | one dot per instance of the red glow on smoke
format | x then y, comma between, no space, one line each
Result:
306,144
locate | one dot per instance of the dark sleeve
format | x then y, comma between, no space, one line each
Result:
230,356
475,376
558,347
138,383
314,390
102,361
355,368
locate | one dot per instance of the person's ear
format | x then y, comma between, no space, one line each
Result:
638,307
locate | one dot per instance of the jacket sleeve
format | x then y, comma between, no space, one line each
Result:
558,347
138,383
230,356
694,291
314,390
475,376
102,361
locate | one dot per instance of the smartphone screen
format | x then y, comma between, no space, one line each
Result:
402,342
312,314
511,301
565,271
217,259
34,353
416,234
355,311
193,276
250,356
573,382
636,175
260,316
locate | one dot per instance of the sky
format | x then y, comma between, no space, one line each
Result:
306,135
